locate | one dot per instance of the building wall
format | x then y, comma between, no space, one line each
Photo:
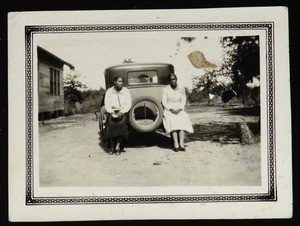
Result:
48,102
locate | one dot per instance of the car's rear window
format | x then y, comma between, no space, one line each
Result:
142,77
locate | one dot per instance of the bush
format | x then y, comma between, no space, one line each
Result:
89,103
197,96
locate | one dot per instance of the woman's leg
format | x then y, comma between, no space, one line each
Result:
181,140
118,145
111,149
174,135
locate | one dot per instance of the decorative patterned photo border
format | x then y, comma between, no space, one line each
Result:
271,195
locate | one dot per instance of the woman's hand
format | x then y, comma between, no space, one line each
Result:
176,112
120,114
173,111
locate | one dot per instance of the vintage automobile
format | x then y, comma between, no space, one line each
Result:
145,83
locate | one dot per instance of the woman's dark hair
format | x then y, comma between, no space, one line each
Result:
118,76
170,75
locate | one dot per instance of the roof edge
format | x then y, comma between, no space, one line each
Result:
56,57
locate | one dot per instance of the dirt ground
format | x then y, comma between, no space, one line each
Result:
71,153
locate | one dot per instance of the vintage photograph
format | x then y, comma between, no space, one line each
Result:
154,113
149,109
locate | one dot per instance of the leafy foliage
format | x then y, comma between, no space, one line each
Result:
78,100
72,88
92,101
242,59
72,94
240,65
197,96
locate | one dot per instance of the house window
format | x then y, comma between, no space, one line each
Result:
54,82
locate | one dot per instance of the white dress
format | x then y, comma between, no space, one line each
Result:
176,99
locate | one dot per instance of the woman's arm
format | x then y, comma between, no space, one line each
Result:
127,104
183,98
107,101
164,100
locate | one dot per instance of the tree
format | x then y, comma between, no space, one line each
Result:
240,64
242,59
214,81
72,93
93,100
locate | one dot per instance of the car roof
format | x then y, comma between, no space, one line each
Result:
163,69
138,65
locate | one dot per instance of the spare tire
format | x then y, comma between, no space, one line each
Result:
146,114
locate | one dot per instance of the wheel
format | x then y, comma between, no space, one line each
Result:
146,114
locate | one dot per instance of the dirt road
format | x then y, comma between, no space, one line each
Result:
71,154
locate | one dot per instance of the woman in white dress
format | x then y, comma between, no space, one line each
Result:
175,120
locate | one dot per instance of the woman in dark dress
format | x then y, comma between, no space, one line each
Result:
117,104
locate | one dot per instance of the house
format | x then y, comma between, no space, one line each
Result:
50,84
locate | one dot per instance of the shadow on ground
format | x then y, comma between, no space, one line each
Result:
245,111
158,139
140,140
222,132
225,133
214,132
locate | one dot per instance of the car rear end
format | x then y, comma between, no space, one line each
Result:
145,83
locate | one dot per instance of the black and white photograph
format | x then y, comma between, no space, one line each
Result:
154,112
216,132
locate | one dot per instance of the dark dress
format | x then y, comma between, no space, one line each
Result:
116,128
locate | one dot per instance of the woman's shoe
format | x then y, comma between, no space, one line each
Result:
175,149
111,152
118,152
181,148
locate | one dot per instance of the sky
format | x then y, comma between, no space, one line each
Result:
91,53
